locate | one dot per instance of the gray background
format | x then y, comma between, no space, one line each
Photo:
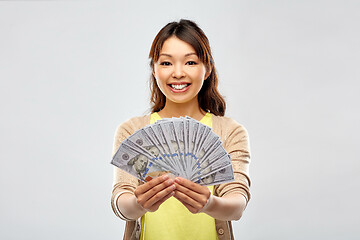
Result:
71,71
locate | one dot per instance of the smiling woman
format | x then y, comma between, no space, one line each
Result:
194,45
179,74
183,83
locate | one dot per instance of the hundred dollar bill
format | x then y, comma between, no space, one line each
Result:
193,136
202,132
135,163
186,143
181,146
141,141
206,168
222,176
178,125
222,160
168,155
210,145
168,132
163,156
189,133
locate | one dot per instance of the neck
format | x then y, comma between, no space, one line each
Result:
191,109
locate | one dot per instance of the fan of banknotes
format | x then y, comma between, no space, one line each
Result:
179,146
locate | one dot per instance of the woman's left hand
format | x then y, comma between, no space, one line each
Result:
192,195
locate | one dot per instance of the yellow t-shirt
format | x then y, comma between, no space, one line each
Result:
173,220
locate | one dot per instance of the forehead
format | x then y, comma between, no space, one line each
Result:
175,46
142,157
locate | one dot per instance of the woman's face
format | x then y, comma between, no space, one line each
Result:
179,73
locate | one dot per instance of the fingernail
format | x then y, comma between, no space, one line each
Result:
165,177
170,181
173,187
177,180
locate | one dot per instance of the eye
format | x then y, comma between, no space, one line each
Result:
164,63
191,63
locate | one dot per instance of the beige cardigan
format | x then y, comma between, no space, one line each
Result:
235,141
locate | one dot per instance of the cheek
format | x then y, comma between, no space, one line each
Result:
161,75
199,74
162,78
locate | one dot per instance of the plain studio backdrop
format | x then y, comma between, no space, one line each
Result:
72,71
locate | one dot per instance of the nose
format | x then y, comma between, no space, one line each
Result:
178,71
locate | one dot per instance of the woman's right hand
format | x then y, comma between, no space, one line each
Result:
152,194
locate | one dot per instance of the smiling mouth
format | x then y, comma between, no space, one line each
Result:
179,86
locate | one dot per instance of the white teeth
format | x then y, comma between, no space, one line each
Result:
178,86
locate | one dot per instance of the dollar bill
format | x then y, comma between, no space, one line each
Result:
224,175
138,164
179,146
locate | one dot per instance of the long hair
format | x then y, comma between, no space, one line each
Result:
209,97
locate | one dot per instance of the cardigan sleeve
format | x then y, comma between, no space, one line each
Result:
236,143
123,181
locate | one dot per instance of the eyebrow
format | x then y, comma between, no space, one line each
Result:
168,55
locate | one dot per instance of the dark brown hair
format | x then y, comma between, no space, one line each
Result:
209,97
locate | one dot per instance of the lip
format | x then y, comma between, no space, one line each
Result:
179,83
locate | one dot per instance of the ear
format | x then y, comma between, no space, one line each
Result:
133,160
153,71
208,72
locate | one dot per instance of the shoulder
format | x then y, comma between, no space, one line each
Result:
131,125
226,126
136,122
224,120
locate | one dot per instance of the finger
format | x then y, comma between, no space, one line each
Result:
142,198
158,203
148,185
158,197
191,185
201,198
188,206
191,208
185,199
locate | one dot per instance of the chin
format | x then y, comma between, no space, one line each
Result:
181,100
